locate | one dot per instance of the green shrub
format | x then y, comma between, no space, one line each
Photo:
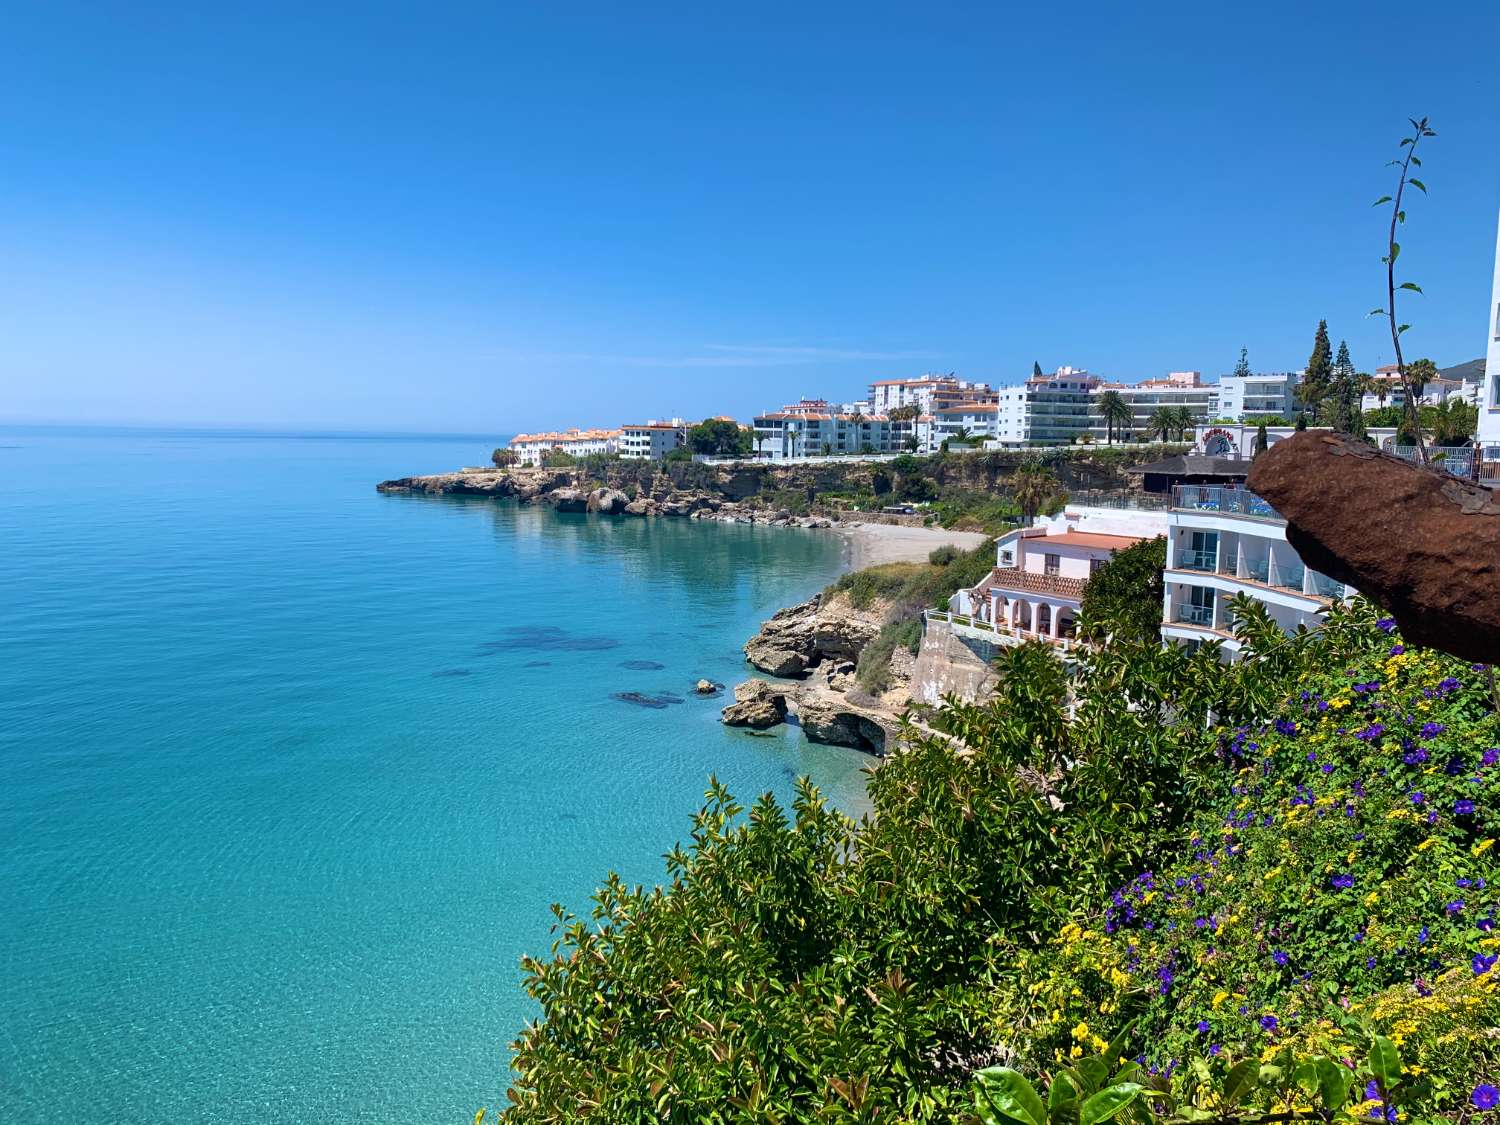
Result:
874,668
943,555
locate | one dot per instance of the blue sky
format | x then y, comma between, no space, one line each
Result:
494,217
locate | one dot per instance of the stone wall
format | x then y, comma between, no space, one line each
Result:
949,664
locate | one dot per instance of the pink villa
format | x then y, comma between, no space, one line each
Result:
1035,591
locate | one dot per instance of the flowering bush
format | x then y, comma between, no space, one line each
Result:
1346,876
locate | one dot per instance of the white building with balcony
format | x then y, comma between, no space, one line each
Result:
1227,541
1257,397
1045,410
532,449
1178,389
815,428
1035,591
926,393
651,441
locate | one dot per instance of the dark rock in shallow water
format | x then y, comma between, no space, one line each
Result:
445,673
641,699
550,638
537,664
642,665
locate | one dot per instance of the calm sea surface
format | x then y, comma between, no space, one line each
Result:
290,771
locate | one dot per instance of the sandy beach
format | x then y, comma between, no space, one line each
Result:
869,544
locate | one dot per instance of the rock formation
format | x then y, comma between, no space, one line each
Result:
800,636
757,703
1418,541
608,501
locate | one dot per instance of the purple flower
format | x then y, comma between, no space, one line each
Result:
1386,624
1482,964
1454,767
1215,1049
1463,807
1485,1096
1415,756
1202,1027
1397,650
1268,1023
1342,881
1454,907
1422,935
1286,726
1432,730
1312,755
1418,797
1370,733
1491,756
1280,957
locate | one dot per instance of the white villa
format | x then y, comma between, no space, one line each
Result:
1227,541
530,449
1035,591
1489,403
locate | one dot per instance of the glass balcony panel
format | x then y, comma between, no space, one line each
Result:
1196,615
1195,560
1258,570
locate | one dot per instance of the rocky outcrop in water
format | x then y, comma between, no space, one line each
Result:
1420,542
800,637
757,703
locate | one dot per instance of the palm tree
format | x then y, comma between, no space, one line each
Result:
1033,487
1164,421
1185,421
963,435
1116,411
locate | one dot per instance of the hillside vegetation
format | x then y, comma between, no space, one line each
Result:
1152,885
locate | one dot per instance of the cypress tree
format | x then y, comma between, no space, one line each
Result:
1315,382
1036,369
1262,441
1344,389
1242,368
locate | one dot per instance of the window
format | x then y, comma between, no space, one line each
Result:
1007,557
1497,322
1095,565
1052,564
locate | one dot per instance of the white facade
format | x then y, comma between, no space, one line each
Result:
1227,541
1035,591
531,449
813,428
1178,389
651,441
976,417
1050,410
1250,398
925,393
1489,406
1387,384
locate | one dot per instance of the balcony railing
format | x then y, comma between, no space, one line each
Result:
1195,615
1230,501
1257,570
1325,587
1289,577
1027,581
1196,560
1458,460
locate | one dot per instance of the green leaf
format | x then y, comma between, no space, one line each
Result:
1385,1060
1417,162
1376,312
1062,1099
1116,1046
1395,251
1306,1076
1106,1103
1382,199
1003,1095
1402,329
1401,217
1095,1073
1241,1081
1418,184
1333,1084
1412,285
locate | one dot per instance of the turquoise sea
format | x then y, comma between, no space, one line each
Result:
290,771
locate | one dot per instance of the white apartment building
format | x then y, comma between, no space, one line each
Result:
530,449
1489,405
1388,390
813,428
1227,541
925,393
1045,410
1035,591
651,441
1178,389
1251,398
978,418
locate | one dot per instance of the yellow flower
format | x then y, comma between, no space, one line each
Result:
1425,844
1219,998
1077,1051
1081,1032
1480,848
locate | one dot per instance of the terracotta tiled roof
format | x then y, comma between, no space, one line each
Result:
1086,539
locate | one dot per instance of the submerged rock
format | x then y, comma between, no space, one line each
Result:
642,665
657,702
